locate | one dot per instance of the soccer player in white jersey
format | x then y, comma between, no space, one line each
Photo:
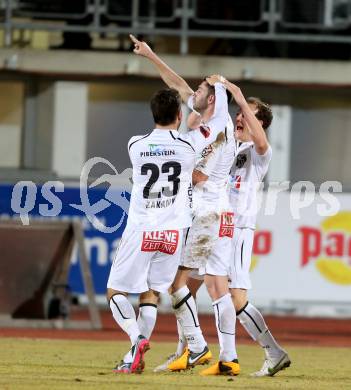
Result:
251,163
213,225
206,251
252,158
160,208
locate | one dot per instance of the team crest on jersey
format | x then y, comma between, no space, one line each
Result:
165,241
206,151
241,160
205,131
226,228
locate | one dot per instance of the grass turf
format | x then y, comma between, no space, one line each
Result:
75,364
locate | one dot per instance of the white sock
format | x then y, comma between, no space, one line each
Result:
147,318
185,310
181,340
124,315
251,319
225,323
146,323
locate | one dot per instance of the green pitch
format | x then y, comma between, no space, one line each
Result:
57,364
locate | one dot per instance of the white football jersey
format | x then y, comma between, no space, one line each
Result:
163,161
247,173
215,162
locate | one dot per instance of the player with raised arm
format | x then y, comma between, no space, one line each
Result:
252,158
160,208
206,254
251,163
209,236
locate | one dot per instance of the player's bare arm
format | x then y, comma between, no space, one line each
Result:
257,133
168,75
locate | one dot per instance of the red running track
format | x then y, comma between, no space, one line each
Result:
287,330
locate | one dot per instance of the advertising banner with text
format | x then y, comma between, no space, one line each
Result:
301,252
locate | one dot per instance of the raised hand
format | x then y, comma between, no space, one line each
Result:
215,78
236,92
141,48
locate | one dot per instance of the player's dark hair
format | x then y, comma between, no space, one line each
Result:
264,111
211,91
210,88
165,105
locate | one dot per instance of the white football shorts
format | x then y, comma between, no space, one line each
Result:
207,244
146,260
240,260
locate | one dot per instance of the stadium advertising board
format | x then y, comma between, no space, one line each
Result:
298,257
303,260
64,203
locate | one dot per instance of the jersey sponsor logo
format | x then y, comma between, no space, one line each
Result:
165,241
154,148
241,160
205,131
226,228
157,150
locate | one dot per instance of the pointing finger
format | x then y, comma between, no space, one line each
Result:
132,37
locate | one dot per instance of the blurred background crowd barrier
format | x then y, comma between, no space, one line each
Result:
296,26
